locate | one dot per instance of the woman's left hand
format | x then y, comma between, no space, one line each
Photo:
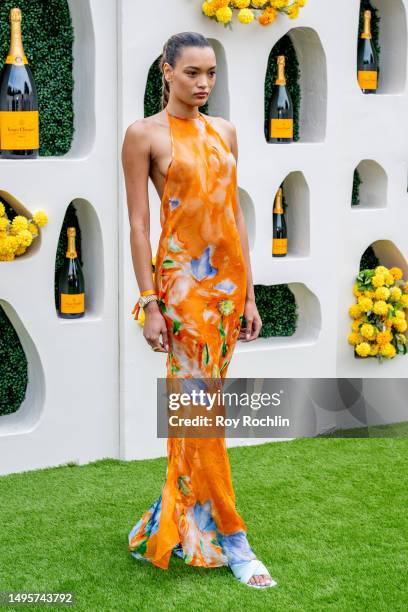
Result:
253,321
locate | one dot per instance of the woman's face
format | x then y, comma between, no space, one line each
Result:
194,73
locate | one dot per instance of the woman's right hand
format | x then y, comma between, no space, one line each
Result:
154,325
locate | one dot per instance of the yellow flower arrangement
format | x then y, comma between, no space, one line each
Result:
379,313
222,10
16,235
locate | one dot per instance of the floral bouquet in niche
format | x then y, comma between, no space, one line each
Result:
379,313
17,234
222,10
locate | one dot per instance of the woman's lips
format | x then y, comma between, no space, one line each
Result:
201,95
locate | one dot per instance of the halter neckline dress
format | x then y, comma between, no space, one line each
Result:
200,279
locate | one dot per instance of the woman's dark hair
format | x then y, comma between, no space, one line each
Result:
171,51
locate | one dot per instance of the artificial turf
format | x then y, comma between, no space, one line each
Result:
327,516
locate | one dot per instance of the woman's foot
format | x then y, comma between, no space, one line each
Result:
260,580
253,573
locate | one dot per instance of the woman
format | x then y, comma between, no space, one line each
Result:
202,290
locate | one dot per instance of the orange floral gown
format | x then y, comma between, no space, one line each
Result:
200,279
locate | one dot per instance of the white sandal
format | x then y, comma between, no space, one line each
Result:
244,572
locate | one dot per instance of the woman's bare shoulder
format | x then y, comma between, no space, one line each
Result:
143,127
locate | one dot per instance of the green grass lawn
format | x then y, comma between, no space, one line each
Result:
327,516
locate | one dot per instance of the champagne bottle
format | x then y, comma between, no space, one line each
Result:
367,62
19,121
280,108
71,286
280,235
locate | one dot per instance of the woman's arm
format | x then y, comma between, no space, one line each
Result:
136,164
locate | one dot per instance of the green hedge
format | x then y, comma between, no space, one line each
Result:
47,39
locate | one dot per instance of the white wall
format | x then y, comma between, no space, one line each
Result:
70,412
92,382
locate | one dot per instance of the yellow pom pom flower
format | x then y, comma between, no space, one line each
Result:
245,16
363,349
268,16
404,301
355,326
388,350
406,287
365,303
382,293
400,314
3,224
395,294
40,217
33,229
259,3
380,307
354,338
356,290
279,3
25,238
18,223
354,311
2,209
396,273
381,270
401,325
389,279
224,14
374,348
209,8
378,280
367,331
241,4
293,11
383,337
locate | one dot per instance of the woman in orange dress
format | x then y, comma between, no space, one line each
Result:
202,291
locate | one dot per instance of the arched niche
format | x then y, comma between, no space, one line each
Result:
308,324
83,74
21,209
390,255
92,259
219,100
297,215
312,83
393,43
27,416
373,186
248,209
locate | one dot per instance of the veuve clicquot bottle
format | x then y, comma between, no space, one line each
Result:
280,108
71,285
280,235
367,61
19,121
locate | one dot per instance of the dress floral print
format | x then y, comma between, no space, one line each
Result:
200,279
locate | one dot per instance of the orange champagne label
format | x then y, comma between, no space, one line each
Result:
72,303
281,128
367,79
19,130
279,246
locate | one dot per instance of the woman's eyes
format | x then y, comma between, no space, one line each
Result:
193,74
